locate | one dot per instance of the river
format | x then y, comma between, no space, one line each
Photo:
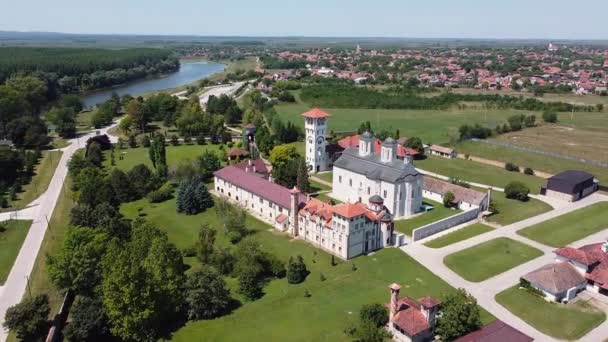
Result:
189,72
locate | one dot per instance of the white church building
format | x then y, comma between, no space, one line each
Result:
360,173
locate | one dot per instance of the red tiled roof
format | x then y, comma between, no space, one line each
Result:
350,210
257,185
281,218
577,255
429,302
260,167
412,321
497,331
353,141
237,152
315,113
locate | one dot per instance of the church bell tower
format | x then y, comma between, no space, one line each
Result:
315,125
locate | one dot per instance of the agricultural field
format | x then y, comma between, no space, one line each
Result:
283,311
438,212
459,235
562,321
490,258
432,126
549,97
12,235
565,229
472,171
533,160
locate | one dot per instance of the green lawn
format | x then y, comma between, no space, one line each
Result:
471,171
459,235
490,258
283,313
326,176
536,161
562,321
139,155
565,229
511,210
43,173
316,186
326,198
433,126
12,235
438,212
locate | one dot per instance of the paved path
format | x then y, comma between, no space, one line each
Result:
40,210
228,89
485,291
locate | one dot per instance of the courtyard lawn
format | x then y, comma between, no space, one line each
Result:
316,186
471,171
326,198
326,176
511,211
490,258
43,173
438,212
139,155
283,312
12,235
565,229
562,321
536,161
459,235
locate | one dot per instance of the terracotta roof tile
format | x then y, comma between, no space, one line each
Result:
497,331
315,113
412,321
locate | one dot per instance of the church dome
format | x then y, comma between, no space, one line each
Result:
376,199
389,142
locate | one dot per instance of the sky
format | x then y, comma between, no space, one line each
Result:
544,19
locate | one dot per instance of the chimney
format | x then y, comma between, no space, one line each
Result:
394,306
407,159
246,169
253,168
293,212
249,162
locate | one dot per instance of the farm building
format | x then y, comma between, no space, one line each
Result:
571,185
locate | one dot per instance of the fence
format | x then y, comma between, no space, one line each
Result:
446,223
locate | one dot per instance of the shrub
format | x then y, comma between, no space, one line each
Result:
200,140
3,202
234,237
550,117
448,199
187,140
517,190
296,270
174,140
529,171
161,195
511,167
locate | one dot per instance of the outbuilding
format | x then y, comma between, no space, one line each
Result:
571,185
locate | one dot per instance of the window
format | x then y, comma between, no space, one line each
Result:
340,179
350,182
368,190
384,194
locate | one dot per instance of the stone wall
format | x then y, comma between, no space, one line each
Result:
446,223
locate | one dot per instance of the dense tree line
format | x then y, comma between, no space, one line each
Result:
350,96
68,70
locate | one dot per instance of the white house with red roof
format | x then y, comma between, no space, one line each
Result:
411,320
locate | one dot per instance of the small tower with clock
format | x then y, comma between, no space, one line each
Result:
315,127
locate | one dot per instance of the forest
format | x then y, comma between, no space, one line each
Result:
71,70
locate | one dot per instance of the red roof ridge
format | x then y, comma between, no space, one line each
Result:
316,113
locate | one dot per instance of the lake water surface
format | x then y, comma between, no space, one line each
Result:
189,72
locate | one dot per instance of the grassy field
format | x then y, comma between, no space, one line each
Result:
139,155
432,126
459,235
326,176
439,212
569,97
12,235
283,313
524,159
567,322
43,173
511,211
83,120
316,186
490,258
471,171
565,229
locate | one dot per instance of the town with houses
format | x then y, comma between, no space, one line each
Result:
303,188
